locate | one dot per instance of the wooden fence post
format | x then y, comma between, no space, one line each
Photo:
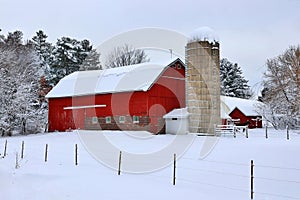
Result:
17,161
287,132
120,160
22,150
252,180
266,132
46,153
247,132
5,148
174,170
76,154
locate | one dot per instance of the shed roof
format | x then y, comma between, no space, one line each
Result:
177,113
246,106
139,77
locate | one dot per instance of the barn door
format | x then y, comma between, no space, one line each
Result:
78,117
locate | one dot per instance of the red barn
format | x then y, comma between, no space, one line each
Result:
241,111
126,98
255,121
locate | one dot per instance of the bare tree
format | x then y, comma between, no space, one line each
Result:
282,87
126,55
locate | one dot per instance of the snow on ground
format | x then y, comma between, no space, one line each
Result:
223,174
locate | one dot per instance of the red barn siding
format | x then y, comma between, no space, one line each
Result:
167,93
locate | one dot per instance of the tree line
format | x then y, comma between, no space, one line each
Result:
29,69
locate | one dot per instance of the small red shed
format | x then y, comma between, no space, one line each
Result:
134,97
253,121
241,111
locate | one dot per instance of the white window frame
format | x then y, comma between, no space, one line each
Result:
136,119
108,119
94,120
121,119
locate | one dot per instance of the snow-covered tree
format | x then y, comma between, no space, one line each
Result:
126,55
19,75
2,37
91,62
14,38
232,81
68,55
44,50
282,89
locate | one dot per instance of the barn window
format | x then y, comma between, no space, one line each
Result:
136,119
94,120
122,119
178,66
108,119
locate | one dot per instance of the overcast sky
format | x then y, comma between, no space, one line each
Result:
250,31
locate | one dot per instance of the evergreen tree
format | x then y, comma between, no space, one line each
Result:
14,39
91,62
232,81
44,50
68,55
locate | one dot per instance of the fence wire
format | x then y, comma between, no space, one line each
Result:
213,185
278,167
277,180
219,163
213,171
277,195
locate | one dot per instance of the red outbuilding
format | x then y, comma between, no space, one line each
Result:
134,97
252,121
240,112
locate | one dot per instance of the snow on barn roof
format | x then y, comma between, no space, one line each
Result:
139,77
247,106
177,113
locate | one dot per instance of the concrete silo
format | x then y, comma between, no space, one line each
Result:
203,81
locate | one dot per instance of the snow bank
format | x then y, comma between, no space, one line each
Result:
223,174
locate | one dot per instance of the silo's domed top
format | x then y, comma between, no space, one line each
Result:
203,34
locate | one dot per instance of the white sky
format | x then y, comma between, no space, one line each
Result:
250,31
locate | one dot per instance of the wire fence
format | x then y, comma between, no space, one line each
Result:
215,164
188,170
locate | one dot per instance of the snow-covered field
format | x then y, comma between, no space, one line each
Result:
223,174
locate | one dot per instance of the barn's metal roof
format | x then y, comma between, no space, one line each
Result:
139,77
